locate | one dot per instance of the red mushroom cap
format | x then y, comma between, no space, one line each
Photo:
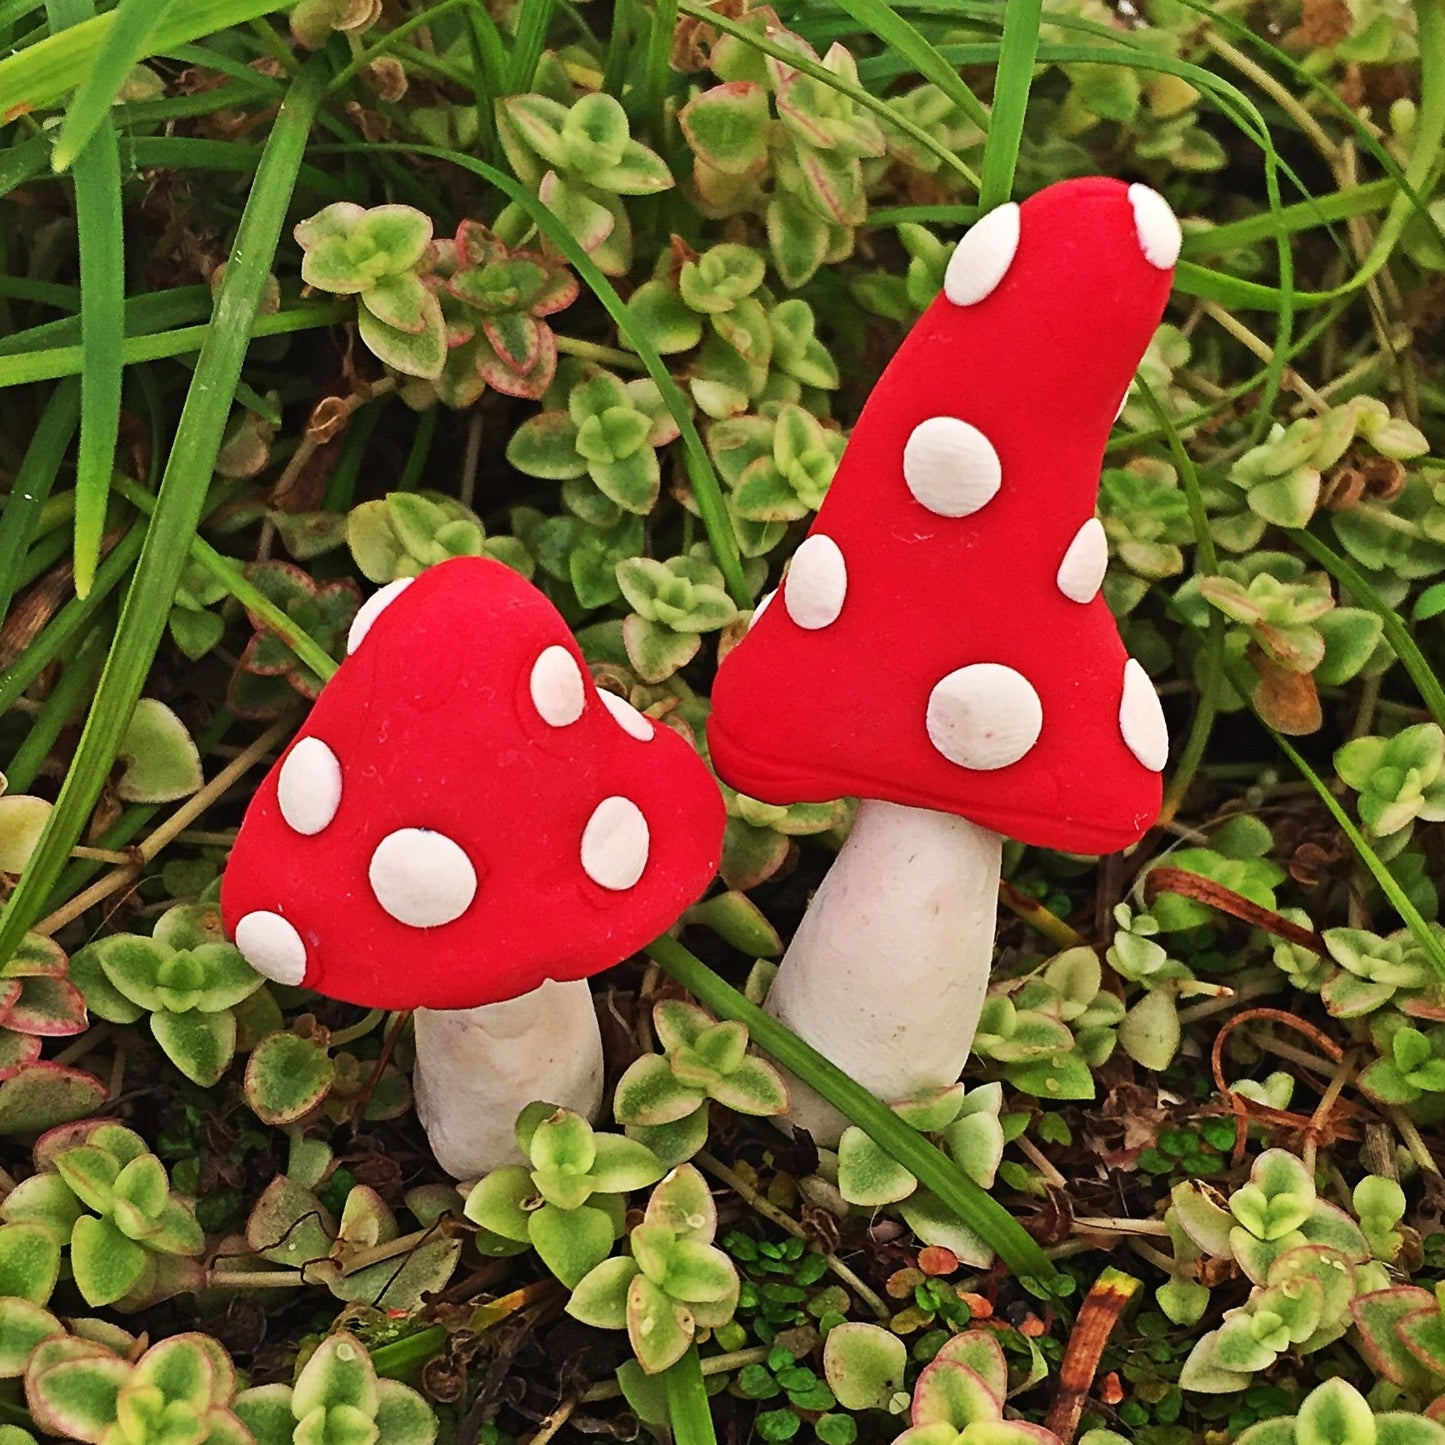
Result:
464,815
939,640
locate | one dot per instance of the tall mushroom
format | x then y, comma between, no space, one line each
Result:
939,647
466,826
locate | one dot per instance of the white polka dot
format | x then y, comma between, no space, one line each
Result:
628,718
272,946
1156,226
1141,719
309,786
372,608
951,467
615,843
981,260
817,583
1081,573
984,716
762,607
421,877
557,690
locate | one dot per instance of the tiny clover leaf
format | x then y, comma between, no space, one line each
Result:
569,1205
675,1282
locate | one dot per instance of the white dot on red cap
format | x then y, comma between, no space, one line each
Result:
1081,573
950,466
615,844
557,690
421,877
984,716
628,718
272,946
1141,719
981,260
762,607
817,583
372,608
1156,226
308,788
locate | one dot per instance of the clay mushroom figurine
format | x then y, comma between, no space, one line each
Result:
939,647
465,825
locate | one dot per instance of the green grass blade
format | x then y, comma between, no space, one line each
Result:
527,44
899,36
705,486
688,1411
178,503
1396,633
102,312
31,486
135,22
988,1219
1012,79
67,360
229,574
64,702
42,74
68,624
1424,935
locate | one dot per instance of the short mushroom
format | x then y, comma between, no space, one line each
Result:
939,647
466,826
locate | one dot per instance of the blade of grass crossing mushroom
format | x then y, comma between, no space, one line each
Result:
706,489
32,483
136,21
178,504
858,94
988,1219
1396,633
41,74
102,307
1012,78
688,1410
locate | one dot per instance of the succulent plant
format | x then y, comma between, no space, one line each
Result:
381,257
186,976
674,1282
661,1099
337,1399
99,1191
569,1206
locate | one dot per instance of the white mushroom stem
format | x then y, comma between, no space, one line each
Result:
478,1068
887,972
